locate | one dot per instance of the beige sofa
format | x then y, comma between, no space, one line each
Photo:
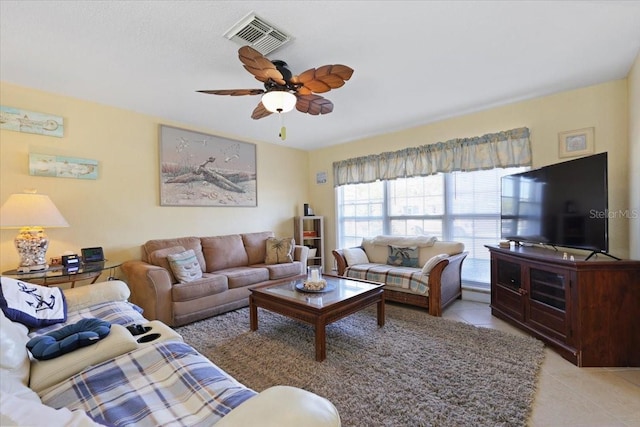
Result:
231,265
126,380
433,281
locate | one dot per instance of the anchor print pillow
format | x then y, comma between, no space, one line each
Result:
32,305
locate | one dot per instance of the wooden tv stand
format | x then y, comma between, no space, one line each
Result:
588,311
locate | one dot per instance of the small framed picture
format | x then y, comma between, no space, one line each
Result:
576,142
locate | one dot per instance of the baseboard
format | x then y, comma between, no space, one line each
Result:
476,294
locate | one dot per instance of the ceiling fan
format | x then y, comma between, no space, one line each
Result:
282,90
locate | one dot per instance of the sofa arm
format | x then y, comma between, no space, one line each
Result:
283,406
150,289
445,282
301,253
341,261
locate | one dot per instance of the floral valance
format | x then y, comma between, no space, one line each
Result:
505,149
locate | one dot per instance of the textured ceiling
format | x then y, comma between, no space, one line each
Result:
415,62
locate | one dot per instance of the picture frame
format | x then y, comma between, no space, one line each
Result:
198,169
20,120
62,166
576,142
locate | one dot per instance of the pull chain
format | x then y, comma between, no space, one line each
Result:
283,130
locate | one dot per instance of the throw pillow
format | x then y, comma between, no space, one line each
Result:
32,305
159,258
432,262
279,251
355,256
185,266
401,256
64,340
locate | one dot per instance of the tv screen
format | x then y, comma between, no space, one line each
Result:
564,204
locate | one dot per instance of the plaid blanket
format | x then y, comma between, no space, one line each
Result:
160,384
164,384
115,312
393,276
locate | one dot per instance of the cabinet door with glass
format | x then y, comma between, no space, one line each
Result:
549,295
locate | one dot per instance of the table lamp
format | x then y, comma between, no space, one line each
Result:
30,212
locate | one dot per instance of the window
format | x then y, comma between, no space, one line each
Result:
459,206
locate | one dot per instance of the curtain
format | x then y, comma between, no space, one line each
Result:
504,149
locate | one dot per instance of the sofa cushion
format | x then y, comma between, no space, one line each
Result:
185,266
186,242
404,256
159,258
449,248
405,278
280,271
254,244
223,252
378,253
244,276
86,296
355,256
209,284
32,305
279,251
428,266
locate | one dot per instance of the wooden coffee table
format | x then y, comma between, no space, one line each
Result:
318,309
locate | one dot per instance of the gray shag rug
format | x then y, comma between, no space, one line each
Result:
417,370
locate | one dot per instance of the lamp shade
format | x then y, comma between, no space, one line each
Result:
30,210
279,101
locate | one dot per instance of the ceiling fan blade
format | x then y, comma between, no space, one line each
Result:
260,112
255,63
313,104
233,92
323,79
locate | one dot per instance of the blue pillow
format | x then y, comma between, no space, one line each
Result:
68,338
405,257
32,305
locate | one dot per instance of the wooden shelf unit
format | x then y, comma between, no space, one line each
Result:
309,231
586,310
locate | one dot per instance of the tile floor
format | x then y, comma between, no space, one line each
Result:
568,395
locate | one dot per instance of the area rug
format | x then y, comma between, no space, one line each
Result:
417,370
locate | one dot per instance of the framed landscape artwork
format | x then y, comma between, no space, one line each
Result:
576,143
197,169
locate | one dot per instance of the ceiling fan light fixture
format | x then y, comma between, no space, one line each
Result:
279,101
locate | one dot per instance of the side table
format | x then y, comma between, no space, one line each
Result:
58,274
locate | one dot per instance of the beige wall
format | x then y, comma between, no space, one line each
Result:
120,210
634,159
603,106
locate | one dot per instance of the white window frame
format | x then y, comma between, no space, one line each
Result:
476,268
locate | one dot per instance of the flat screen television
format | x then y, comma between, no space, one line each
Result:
564,204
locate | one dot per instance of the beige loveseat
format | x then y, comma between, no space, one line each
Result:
230,264
431,279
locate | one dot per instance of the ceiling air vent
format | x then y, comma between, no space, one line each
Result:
257,33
